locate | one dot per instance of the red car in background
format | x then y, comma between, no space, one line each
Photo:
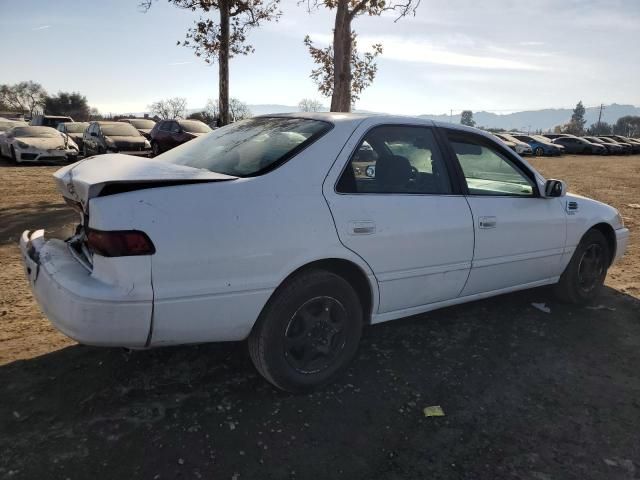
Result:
167,134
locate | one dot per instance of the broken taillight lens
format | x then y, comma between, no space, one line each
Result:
119,243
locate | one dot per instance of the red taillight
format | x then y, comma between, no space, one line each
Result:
119,243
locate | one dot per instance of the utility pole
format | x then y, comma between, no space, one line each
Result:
600,117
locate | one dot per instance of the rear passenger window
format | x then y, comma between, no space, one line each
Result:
396,159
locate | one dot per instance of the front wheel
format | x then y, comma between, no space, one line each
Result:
155,149
308,333
14,157
539,151
583,278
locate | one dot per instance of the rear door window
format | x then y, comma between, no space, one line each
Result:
396,159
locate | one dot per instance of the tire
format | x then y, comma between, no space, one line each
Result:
155,149
14,158
298,347
539,152
583,278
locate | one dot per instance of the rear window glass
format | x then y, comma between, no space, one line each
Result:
249,147
35,132
194,126
76,127
141,123
119,130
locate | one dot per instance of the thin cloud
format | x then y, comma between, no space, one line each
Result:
41,27
532,44
178,63
396,48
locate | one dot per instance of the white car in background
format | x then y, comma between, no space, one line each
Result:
37,144
521,147
265,230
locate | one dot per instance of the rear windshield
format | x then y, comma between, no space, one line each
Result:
249,147
75,127
54,121
119,130
194,126
6,125
35,132
141,123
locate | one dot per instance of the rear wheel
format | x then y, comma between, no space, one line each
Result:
539,151
308,333
583,278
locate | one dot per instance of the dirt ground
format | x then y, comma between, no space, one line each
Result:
526,394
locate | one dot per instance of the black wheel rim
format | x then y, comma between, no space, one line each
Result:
591,268
315,335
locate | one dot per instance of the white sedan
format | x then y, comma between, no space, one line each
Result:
295,231
37,144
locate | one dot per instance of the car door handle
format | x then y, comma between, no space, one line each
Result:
362,228
487,222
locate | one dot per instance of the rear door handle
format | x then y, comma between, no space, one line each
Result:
487,222
362,227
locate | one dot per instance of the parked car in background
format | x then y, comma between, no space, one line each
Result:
6,124
190,247
539,147
114,137
167,134
49,120
612,149
553,136
75,130
143,125
635,145
37,144
626,148
521,148
580,146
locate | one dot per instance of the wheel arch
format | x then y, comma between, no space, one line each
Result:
610,234
347,269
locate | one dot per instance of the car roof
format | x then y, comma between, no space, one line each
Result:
338,117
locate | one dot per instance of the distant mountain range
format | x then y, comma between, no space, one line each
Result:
532,119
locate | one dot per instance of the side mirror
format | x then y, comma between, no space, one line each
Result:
555,188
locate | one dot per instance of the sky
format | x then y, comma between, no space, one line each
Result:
492,55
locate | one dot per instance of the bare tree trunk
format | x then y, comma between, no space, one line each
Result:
341,98
223,64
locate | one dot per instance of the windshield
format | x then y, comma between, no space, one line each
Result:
35,132
75,127
119,130
249,147
194,126
6,125
54,121
510,138
141,123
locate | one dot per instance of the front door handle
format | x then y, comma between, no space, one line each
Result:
362,227
487,222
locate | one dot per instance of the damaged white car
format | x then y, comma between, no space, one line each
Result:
37,144
273,230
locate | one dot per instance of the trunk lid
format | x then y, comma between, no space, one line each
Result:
87,178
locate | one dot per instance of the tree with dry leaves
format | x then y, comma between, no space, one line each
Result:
23,97
309,105
169,108
362,71
349,73
219,39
